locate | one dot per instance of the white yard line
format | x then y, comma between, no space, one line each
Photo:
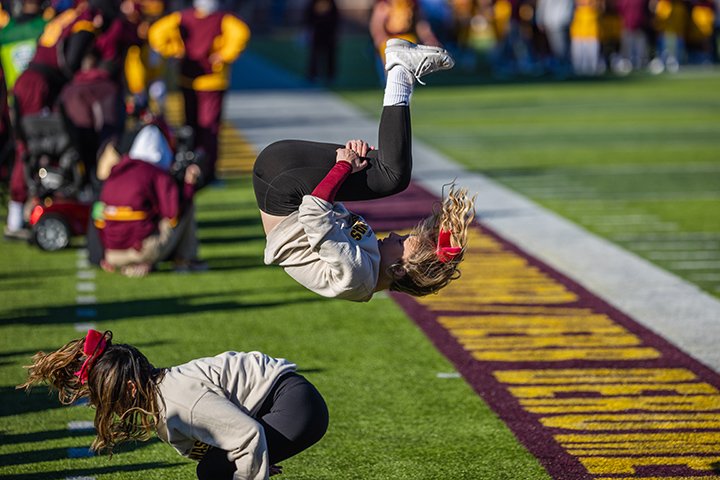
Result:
85,301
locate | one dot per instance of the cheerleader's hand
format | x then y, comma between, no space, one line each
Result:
360,147
351,157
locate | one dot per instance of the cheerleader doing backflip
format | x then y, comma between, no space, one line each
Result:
332,251
237,414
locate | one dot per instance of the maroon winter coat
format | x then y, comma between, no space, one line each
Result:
90,100
137,195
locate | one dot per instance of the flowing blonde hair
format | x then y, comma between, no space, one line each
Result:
120,414
424,272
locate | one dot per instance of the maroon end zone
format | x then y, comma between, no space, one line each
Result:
590,392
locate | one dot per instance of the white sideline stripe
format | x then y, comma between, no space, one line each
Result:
674,245
695,265
656,227
448,375
628,219
673,308
84,327
80,425
705,277
86,274
79,478
82,263
85,286
675,236
85,299
684,255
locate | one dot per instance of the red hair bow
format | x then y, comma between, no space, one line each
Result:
445,251
95,344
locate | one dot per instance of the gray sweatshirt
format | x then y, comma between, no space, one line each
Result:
327,249
208,402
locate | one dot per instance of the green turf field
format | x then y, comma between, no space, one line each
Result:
392,417
635,160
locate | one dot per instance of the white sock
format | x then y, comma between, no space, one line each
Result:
399,86
15,216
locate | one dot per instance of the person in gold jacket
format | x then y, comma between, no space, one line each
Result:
207,41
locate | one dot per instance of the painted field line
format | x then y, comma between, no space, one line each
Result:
83,326
86,274
695,265
86,300
675,245
666,304
80,425
82,263
674,236
589,391
85,286
684,255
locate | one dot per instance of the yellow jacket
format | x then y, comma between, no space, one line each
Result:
207,70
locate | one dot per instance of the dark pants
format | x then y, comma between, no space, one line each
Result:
322,55
203,112
287,170
294,417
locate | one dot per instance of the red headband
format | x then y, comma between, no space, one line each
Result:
445,251
95,344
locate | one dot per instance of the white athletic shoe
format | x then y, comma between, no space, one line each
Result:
420,60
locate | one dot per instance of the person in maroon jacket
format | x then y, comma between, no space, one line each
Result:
57,57
5,132
91,104
37,89
635,16
145,217
207,41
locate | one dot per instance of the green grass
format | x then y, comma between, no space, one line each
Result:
391,416
641,148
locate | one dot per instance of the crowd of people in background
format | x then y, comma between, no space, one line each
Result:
561,37
95,71
591,37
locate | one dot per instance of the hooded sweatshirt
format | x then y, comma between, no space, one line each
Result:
327,249
209,402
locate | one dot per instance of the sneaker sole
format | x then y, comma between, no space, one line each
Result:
398,44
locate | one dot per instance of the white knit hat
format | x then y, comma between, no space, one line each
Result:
150,146
207,6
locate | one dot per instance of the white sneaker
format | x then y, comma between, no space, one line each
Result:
420,60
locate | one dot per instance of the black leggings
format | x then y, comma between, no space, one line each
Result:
294,417
287,170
